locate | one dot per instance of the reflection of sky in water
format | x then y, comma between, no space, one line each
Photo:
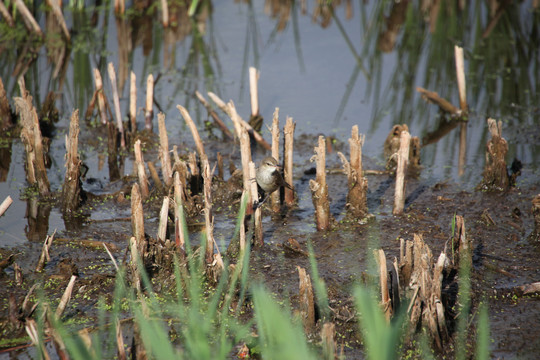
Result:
307,72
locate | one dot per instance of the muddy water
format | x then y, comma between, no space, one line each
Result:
328,78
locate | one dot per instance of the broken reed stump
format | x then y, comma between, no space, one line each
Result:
166,167
255,120
258,229
495,176
149,112
116,102
288,134
319,188
306,300
141,171
357,182
36,172
401,171
72,192
133,103
275,196
461,244
45,257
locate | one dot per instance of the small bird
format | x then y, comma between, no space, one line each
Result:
269,177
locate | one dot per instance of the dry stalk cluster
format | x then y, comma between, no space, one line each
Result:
430,283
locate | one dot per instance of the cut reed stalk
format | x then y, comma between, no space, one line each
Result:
45,257
5,205
18,274
65,297
258,229
31,329
116,102
357,183
214,116
220,166
141,171
149,113
102,102
208,218
253,91
155,177
72,189
6,14
137,220
328,342
179,196
275,196
319,188
163,217
133,102
245,153
228,109
383,278
193,128
36,172
166,167
121,351
460,73
306,300
133,264
164,13
288,134
401,171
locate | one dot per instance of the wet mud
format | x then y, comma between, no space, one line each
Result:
506,254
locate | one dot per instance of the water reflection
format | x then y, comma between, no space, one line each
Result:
37,215
353,62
